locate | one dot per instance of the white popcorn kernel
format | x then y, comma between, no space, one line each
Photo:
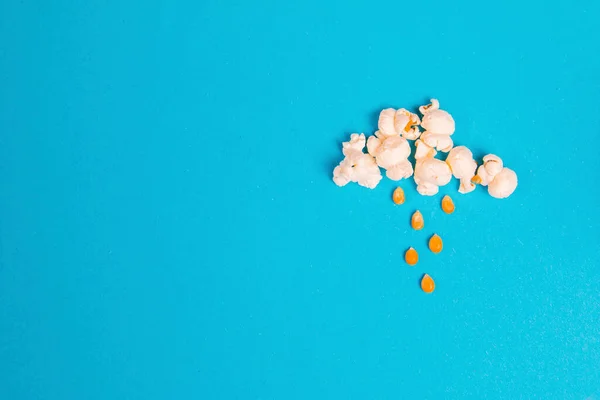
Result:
356,144
441,142
439,126
367,173
357,166
430,173
501,181
504,184
344,172
407,124
399,122
374,142
386,122
423,150
463,167
492,165
391,153
403,169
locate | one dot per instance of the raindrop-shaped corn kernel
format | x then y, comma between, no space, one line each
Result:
435,243
411,256
398,196
447,205
427,284
417,221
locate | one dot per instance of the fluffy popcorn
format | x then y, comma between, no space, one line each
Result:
463,167
389,149
399,122
423,150
357,166
492,165
504,184
355,145
501,181
391,153
430,173
439,126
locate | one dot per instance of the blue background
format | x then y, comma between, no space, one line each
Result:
169,228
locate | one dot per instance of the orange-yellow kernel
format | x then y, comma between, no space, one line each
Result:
447,205
427,284
398,196
476,180
417,221
411,256
435,244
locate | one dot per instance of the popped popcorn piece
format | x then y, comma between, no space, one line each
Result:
447,205
391,153
357,166
411,256
430,173
398,196
492,165
427,284
463,166
504,184
416,221
439,126
355,145
501,181
399,122
435,243
423,150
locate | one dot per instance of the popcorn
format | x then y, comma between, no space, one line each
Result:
391,153
492,165
355,145
399,122
389,149
423,150
439,126
430,173
357,166
501,181
463,166
504,184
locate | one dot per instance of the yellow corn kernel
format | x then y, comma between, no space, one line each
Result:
435,244
411,256
398,196
417,221
427,284
447,205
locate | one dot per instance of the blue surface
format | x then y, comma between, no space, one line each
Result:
169,228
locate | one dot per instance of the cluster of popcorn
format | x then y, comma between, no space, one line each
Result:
389,149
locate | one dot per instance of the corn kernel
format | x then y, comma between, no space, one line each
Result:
435,244
447,205
411,256
417,221
427,284
398,196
